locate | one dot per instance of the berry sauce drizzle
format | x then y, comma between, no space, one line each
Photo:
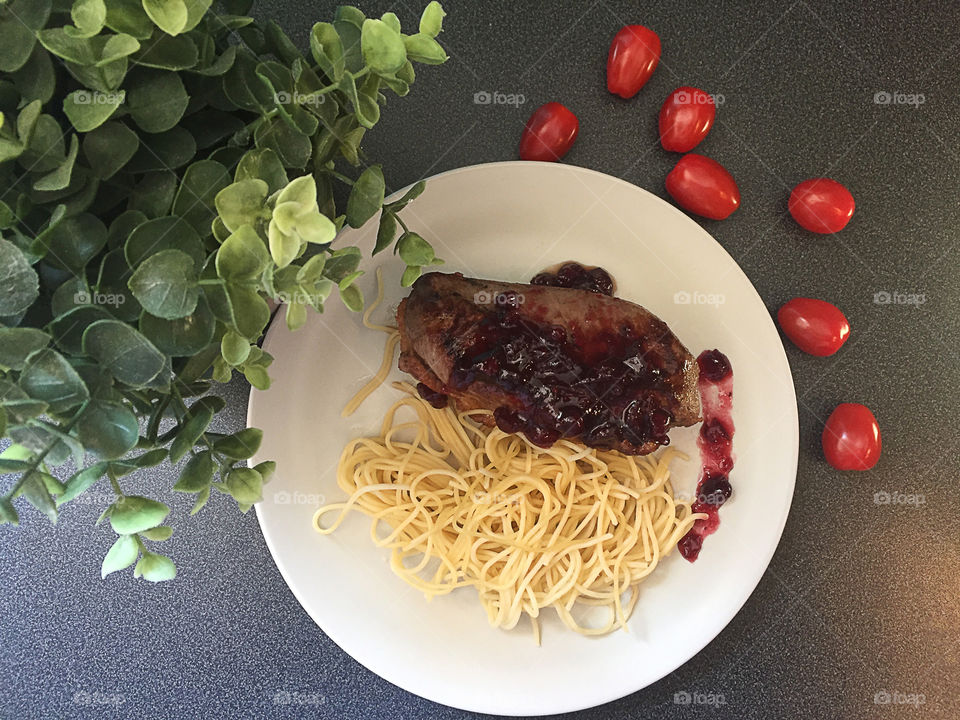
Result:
575,275
716,443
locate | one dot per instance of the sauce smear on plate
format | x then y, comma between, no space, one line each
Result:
716,444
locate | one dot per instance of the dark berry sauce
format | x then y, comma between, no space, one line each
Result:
575,275
716,444
437,399
606,390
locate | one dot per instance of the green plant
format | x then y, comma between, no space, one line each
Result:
167,170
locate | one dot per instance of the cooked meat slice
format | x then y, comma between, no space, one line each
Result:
550,362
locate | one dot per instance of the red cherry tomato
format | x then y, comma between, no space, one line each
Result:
815,326
685,119
821,205
549,133
703,186
634,54
851,438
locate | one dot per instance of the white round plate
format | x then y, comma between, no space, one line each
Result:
507,221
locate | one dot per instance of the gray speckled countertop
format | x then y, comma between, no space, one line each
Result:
857,615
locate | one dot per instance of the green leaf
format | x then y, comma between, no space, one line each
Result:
133,513
341,263
202,498
195,12
81,481
19,284
262,164
349,279
164,151
18,40
122,554
410,275
47,376
240,445
352,298
382,46
327,50
257,376
154,194
195,197
35,492
109,148
242,203
13,466
16,344
148,459
74,242
157,100
196,474
424,49
296,315
292,146
243,255
53,486
59,177
128,16
190,433
124,352
87,110
108,429
251,313
166,285
117,47
19,406
8,513
68,328
3,432
412,194
245,485
168,53
431,21
348,22
235,348
27,121
36,80
161,533
366,198
164,233
155,568
89,16
312,270
169,15
266,469
386,232
183,337
58,446
414,250
391,20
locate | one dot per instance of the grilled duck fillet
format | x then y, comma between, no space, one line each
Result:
550,362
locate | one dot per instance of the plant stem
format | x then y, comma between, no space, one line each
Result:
39,459
340,176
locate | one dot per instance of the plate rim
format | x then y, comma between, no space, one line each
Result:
792,416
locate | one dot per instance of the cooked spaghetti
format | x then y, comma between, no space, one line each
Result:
461,503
